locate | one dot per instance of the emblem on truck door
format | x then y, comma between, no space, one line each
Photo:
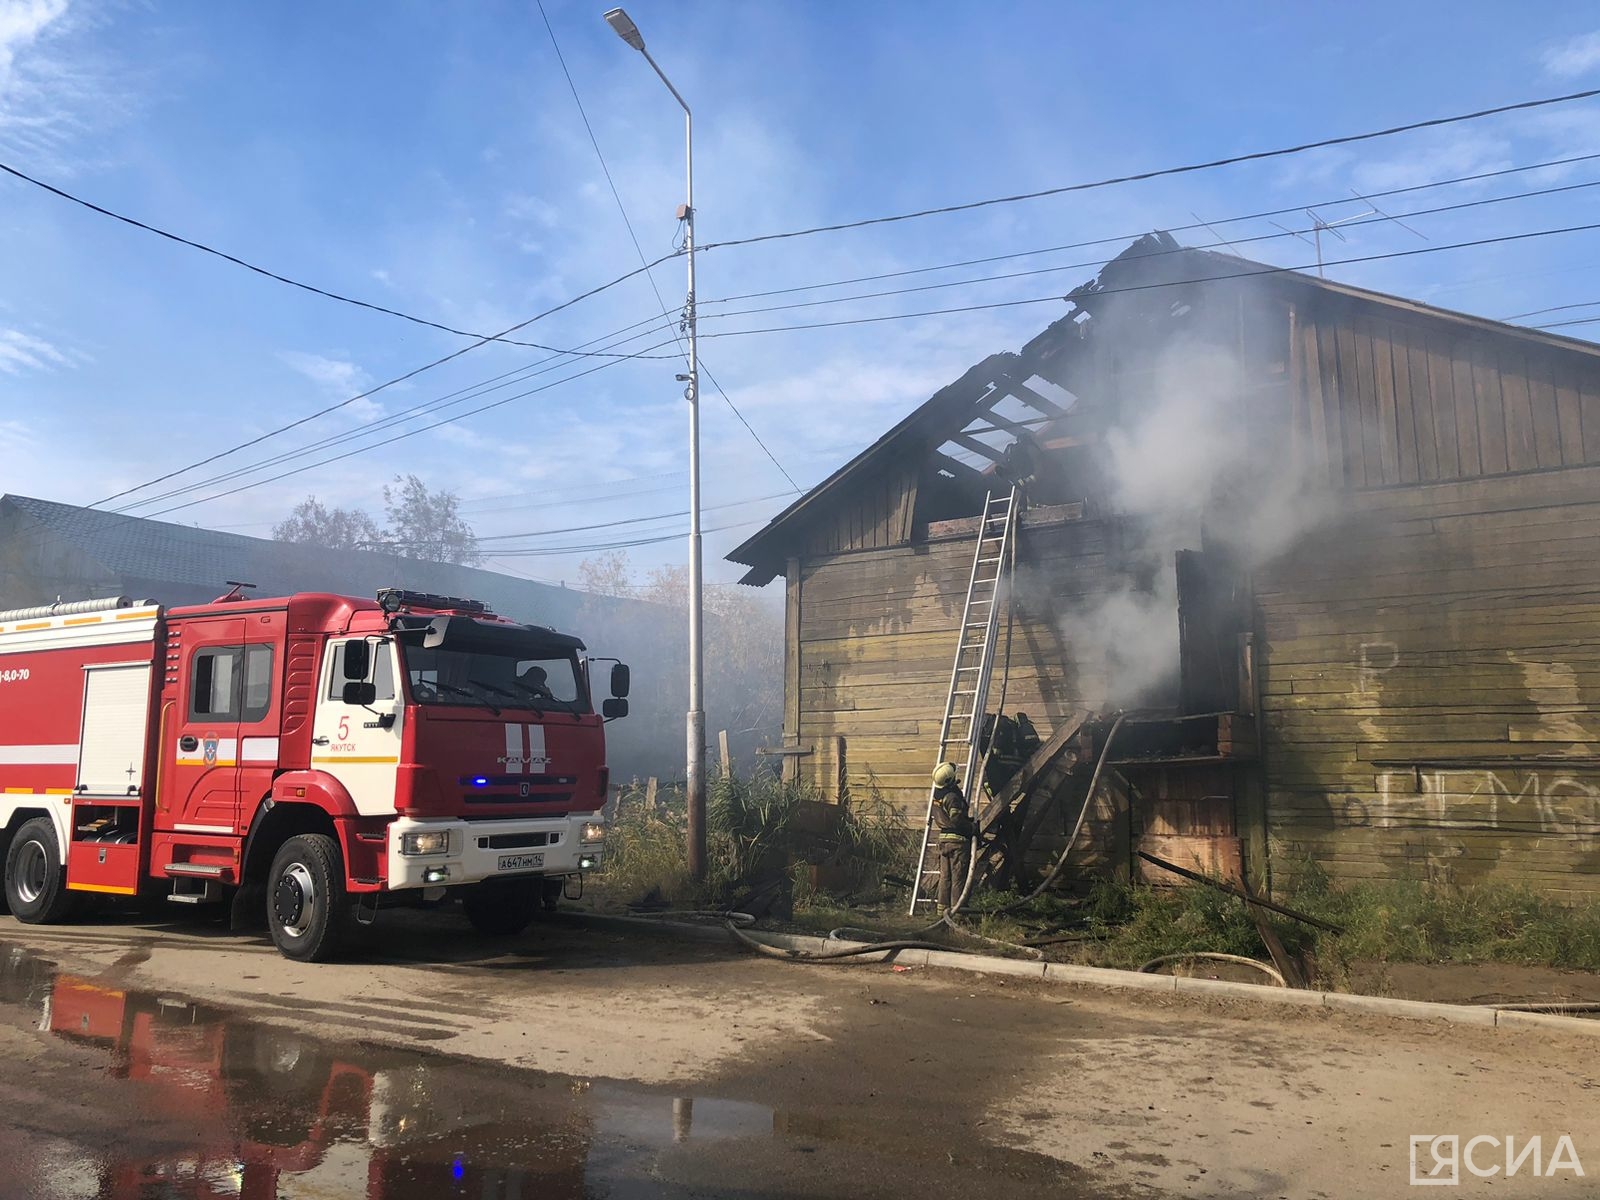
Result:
211,751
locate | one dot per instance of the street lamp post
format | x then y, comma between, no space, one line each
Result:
696,763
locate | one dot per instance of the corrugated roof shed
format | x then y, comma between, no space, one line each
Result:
183,564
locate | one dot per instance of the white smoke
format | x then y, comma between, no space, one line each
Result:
1186,468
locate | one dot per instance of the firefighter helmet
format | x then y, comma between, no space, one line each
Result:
944,775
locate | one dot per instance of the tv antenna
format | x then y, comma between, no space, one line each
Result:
1321,225
1212,229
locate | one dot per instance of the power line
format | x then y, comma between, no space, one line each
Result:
412,374
1099,262
622,208
1233,160
601,547
661,516
704,370
595,142
1260,269
1564,324
1539,312
390,441
601,490
601,496
284,279
438,404
1127,237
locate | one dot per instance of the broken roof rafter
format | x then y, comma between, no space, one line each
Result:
1147,268
958,470
992,453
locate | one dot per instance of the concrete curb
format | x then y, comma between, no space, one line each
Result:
1106,977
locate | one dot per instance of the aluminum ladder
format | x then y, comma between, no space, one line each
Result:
966,702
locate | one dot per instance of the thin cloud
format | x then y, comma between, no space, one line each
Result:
15,435
21,352
21,24
336,377
1574,57
335,374
53,86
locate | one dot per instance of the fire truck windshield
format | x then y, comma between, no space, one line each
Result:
499,676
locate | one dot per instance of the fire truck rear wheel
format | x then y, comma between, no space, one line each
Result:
36,882
308,911
502,907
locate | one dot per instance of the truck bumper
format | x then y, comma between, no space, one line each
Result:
481,850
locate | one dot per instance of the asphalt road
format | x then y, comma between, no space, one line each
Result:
176,1059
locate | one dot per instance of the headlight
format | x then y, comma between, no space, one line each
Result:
424,843
593,831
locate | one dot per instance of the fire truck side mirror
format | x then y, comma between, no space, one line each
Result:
357,659
614,708
620,679
360,693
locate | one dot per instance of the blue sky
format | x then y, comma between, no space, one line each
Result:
430,158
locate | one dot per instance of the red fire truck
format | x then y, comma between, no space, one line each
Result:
304,756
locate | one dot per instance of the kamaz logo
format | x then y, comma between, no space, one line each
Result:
524,748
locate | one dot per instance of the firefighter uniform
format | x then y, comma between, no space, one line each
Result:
954,825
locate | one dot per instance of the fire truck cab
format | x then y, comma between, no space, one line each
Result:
304,757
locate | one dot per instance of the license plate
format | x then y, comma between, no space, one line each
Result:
521,862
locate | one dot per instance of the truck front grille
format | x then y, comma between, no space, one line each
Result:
477,800
517,841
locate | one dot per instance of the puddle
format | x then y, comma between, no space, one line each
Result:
213,1105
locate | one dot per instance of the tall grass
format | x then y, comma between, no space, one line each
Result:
757,829
1410,921
1388,922
760,829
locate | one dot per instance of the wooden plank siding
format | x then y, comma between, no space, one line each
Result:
1430,662
1395,402
1428,657
877,639
873,516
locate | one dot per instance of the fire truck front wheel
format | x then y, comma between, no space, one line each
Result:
36,882
308,911
502,907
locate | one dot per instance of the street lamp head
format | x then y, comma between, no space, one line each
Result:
620,21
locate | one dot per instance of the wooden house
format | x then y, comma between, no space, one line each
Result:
1336,552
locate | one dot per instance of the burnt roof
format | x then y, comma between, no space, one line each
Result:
1154,263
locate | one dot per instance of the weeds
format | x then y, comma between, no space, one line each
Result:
1389,922
758,829
645,849
1407,921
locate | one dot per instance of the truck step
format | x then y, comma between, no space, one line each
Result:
195,870
194,891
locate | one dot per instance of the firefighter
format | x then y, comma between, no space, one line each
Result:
535,680
951,819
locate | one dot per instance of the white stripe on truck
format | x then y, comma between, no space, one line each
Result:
61,754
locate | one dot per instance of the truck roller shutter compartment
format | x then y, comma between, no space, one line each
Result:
116,707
